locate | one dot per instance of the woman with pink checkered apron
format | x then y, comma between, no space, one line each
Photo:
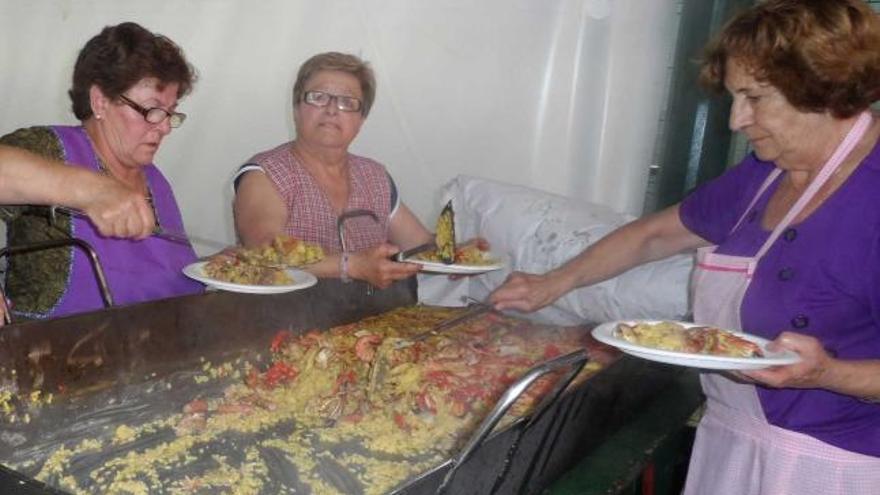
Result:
314,190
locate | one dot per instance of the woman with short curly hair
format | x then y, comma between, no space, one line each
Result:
127,82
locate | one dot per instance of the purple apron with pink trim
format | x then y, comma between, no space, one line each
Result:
136,270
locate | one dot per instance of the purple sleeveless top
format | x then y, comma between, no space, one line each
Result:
136,270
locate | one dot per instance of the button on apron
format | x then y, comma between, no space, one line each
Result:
800,321
790,234
786,274
752,216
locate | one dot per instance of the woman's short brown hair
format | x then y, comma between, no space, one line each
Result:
821,54
120,56
343,62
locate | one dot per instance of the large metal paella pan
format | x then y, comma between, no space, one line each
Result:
230,393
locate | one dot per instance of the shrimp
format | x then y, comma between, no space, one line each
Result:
365,348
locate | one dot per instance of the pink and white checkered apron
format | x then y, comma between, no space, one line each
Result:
737,451
310,215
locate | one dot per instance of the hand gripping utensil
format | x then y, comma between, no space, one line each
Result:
409,253
178,237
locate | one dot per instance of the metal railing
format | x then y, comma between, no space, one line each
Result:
92,256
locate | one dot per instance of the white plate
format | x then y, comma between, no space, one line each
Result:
605,333
196,271
440,267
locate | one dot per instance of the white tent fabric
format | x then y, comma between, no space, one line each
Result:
561,95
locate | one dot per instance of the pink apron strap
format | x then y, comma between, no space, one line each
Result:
741,453
843,150
769,180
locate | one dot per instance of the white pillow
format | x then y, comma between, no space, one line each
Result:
536,231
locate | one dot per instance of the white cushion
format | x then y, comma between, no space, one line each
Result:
536,231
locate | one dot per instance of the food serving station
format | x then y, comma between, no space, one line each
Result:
70,380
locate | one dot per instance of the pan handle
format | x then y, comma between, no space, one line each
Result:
340,223
70,241
575,361
4,305
340,231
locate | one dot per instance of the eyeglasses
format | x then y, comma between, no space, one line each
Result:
155,115
343,103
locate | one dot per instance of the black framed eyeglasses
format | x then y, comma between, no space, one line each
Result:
155,115
343,103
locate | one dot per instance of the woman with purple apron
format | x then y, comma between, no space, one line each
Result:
136,270
126,85
790,251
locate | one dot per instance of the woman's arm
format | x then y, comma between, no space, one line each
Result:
406,230
116,210
375,265
647,239
259,210
372,265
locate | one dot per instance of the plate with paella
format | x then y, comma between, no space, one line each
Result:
692,345
268,269
276,282
468,260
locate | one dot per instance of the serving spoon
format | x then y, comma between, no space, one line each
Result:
178,237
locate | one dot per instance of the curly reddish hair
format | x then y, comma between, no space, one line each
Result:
823,55
120,56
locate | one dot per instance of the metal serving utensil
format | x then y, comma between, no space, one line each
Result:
475,309
409,253
572,362
379,365
178,237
